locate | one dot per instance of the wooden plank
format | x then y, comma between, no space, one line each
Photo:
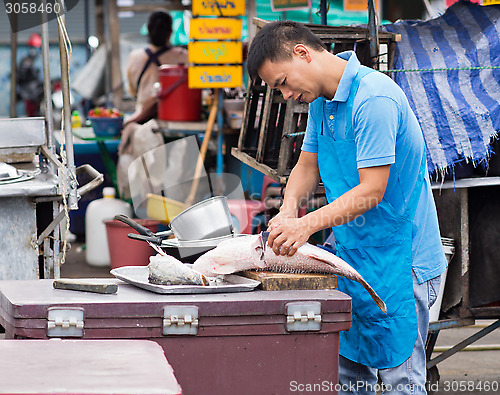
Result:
264,169
286,145
270,281
337,31
264,129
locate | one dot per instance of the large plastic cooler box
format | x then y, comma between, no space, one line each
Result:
255,342
85,367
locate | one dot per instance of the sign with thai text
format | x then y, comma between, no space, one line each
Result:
215,76
215,52
215,29
218,8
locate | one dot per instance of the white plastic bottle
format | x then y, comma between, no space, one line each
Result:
96,240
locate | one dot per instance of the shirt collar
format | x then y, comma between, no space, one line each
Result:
348,76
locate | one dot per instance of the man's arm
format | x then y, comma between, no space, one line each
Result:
290,234
301,184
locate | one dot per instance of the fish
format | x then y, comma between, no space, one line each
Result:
250,252
166,270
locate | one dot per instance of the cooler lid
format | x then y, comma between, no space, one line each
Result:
31,298
86,367
26,308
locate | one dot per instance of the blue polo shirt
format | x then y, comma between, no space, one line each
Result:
386,132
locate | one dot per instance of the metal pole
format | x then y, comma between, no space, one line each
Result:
47,87
373,31
87,27
220,143
13,65
68,137
322,10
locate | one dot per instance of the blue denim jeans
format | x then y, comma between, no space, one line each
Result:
410,376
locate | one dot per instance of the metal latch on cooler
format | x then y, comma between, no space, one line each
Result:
303,316
180,320
65,322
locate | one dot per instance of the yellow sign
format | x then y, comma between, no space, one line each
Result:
215,29
359,5
218,8
215,76
490,2
284,5
215,52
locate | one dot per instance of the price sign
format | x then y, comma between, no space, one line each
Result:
215,76
218,8
215,29
216,52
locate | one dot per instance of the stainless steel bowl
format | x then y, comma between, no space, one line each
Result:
205,220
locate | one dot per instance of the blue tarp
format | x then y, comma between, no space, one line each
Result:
458,110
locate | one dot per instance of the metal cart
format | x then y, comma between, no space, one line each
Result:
453,201
37,196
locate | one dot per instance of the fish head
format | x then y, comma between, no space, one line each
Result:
234,255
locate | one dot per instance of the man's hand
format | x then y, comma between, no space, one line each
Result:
287,235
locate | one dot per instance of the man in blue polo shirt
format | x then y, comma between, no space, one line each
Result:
365,144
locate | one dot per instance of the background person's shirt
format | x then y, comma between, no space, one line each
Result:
135,64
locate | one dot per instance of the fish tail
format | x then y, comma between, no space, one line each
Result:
380,303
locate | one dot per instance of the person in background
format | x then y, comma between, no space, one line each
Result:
365,144
138,136
142,65
29,81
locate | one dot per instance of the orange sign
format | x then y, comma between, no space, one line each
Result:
215,76
215,29
359,5
215,52
218,8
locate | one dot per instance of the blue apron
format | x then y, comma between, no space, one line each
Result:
378,245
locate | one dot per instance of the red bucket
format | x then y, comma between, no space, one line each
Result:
176,102
124,251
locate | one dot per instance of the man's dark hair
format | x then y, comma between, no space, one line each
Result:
275,42
159,28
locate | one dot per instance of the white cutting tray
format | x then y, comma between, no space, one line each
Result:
138,276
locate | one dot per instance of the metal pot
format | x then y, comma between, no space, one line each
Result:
205,220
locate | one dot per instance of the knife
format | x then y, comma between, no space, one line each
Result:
86,286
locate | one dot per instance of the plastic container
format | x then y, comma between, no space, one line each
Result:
106,127
99,210
176,102
127,252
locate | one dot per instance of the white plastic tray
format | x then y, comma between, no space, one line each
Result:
138,276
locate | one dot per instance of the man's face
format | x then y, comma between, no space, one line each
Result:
294,78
